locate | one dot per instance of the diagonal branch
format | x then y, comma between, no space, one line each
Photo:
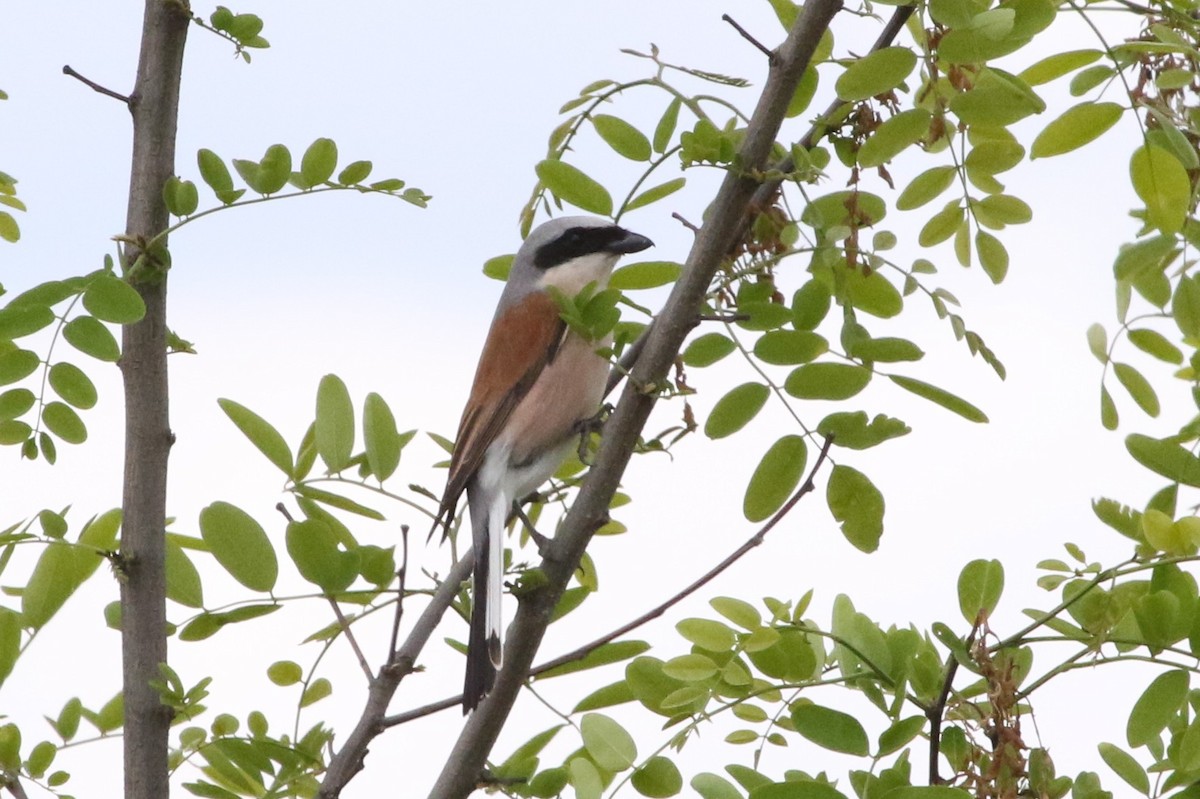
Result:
348,760
715,240
650,615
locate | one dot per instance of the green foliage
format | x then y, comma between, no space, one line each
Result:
768,669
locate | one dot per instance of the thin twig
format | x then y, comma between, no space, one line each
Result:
768,52
401,574
348,760
935,711
345,625
583,651
697,584
679,218
68,70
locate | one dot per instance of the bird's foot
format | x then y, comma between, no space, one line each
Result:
592,424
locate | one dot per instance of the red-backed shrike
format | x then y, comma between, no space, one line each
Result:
535,383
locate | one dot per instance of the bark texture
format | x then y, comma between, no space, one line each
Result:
154,105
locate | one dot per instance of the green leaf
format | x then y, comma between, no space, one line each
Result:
10,231
702,351
1138,387
183,580
274,170
617,693
1156,707
875,73
1076,127
603,655
1108,410
15,402
653,195
738,611
111,299
607,742
997,99
665,129
735,410
894,136
831,381
62,568
1155,344
645,275
1165,458
214,172
584,778
89,335
313,547
335,423
873,293
707,634
926,187
318,162
625,139
853,431
713,786
61,420
899,734
857,504
10,641
942,225
1185,306
1125,767
1163,185
571,185
354,173
775,478
23,320
831,729
979,587
810,305
382,440
317,690
1097,339
70,383
240,545
788,347
993,257
1057,65
180,196
262,434
886,350
940,397
657,777
284,673
691,668
17,365
848,208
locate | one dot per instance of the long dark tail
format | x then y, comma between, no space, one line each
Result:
480,671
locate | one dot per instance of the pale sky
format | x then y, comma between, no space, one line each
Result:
458,99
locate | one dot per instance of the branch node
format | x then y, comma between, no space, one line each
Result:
685,223
68,70
768,52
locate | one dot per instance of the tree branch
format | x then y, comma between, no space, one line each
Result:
696,585
707,577
348,760
68,70
716,239
154,106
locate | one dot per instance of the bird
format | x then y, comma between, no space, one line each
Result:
537,381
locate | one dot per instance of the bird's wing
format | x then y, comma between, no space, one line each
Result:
521,342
